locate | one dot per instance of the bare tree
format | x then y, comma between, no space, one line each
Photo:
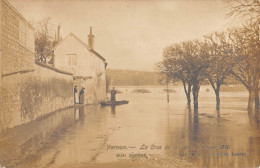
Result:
246,57
186,62
248,12
218,56
175,69
220,53
44,40
196,57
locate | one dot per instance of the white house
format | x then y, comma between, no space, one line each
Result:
88,67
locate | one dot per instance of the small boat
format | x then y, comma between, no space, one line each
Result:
113,103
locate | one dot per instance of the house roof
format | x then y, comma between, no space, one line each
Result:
80,41
97,54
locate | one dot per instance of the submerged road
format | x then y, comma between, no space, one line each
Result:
147,132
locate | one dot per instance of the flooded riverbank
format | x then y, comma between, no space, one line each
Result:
147,132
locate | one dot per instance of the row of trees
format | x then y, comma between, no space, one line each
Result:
217,57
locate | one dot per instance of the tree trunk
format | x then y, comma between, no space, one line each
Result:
217,96
216,90
217,100
188,95
195,92
195,100
187,92
256,90
257,99
168,98
251,98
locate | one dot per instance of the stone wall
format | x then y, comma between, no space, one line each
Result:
30,95
17,41
28,90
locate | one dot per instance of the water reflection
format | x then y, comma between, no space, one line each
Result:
206,137
257,116
79,113
218,114
214,144
113,109
195,125
254,119
30,137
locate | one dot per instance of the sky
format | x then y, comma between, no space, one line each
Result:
130,34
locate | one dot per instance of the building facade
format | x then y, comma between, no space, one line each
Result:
87,66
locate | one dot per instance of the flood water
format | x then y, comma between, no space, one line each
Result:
147,126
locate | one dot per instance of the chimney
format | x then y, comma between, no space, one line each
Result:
91,39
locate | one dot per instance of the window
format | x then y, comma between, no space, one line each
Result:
72,60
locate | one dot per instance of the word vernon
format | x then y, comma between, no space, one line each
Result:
116,147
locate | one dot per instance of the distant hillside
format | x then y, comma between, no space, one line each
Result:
132,78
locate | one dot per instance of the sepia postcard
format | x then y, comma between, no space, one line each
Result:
129,83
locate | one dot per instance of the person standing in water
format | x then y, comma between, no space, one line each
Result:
75,95
81,96
113,94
